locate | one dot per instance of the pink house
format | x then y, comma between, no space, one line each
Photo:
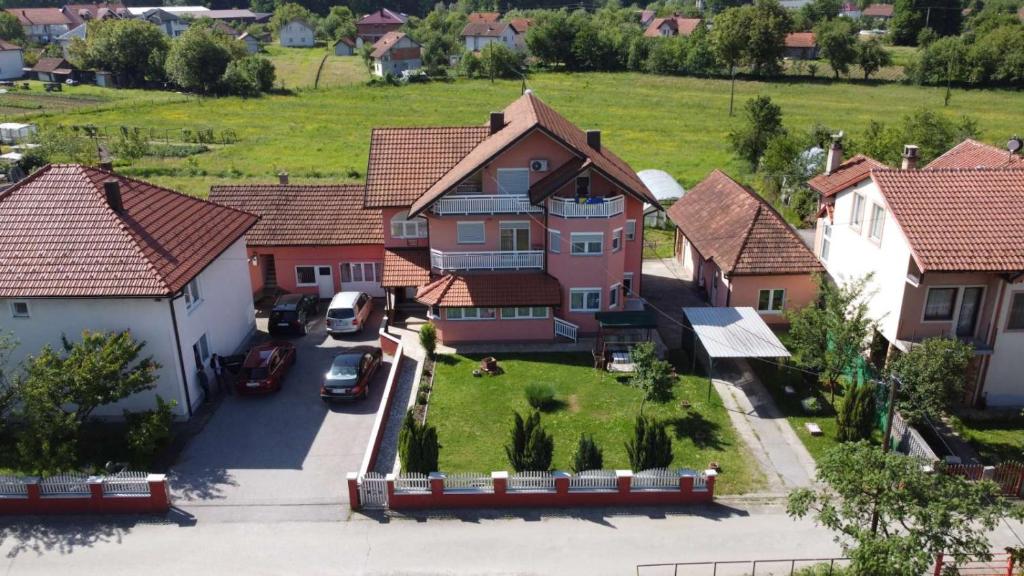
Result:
521,229
945,249
741,251
314,239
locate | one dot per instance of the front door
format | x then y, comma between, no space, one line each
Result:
325,282
970,308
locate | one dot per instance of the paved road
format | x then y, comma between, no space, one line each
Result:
572,542
286,448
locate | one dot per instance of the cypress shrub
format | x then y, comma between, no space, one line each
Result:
418,446
588,455
531,447
650,446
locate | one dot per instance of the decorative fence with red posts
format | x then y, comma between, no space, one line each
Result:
1008,475
121,493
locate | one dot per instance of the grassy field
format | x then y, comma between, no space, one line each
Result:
676,124
17,104
658,243
996,439
473,416
297,67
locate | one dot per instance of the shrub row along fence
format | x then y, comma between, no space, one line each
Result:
121,493
546,489
1009,476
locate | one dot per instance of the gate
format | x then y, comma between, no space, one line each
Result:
373,490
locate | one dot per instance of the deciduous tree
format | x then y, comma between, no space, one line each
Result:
838,41
872,57
651,374
932,375
762,122
134,51
10,28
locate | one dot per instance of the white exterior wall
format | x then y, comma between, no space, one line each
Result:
853,255
476,43
11,64
1003,384
386,64
296,34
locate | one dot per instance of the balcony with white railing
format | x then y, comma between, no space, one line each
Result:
462,204
595,207
505,260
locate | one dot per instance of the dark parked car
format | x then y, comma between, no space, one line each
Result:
293,313
350,374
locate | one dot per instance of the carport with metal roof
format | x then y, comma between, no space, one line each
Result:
730,333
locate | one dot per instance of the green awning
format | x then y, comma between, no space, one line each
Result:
627,319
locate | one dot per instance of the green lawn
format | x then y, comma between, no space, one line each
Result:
296,68
675,124
659,243
474,415
996,439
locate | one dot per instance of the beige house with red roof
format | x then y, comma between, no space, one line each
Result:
946,250
674,25
88,249
741,251
314,239
524,228
41,25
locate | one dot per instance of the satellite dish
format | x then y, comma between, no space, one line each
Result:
1014,145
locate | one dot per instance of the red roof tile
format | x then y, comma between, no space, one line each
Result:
5,46
742,233
40,16
847,174
973,154
492,290
878,11
404,162
384,16
800,40
52,65
959,220
60,238
405,267
386,42
521,24
303,215
486,17
484,29
681,26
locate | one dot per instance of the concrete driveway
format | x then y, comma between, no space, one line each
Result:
288,448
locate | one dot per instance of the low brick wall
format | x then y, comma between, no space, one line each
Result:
25,496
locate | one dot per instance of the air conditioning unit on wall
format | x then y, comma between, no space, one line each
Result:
538,165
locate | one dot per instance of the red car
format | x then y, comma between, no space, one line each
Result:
350,374
265,367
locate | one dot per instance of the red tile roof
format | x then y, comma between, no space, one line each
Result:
60,238
742,233
973,154
521,24
486,17
384,16
386,42
523,116
5,46
491,290
800,40
681,26
52,65
484,29
878,11
959,220
405,267
304,215
847,174
40,16
404,162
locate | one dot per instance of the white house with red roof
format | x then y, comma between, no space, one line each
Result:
674,25
87,249
946,250
395,53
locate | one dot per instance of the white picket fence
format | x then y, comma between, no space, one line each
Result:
590,480
126,483
13,487
412,482
373,490
468,481
656,479
71,484
532,481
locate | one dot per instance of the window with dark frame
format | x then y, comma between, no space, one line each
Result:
1016,316
940,304
305,275
20,309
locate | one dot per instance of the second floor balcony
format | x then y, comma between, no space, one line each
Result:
463,204
503,260
596,207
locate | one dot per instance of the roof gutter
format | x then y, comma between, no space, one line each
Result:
181,359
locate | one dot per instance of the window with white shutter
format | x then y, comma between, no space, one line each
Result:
514,181
470,233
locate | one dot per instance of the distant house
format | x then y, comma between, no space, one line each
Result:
168,267
374,26
850,10
11,61
243,16
191,11
41,25
313,239
521,25
741,251
801,46
78,14
880,11
297,34
395,53
345,47
167,21
54,70
674,25
252,45
484,17
476,35
65,39
646,17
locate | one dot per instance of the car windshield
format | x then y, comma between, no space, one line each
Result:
340,313
345,368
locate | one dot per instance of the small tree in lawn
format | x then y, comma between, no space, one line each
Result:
932,375
651,374
650,446
532,447
917,514
418,447
588,455
829,336
872,56
857,416
762,122
428,339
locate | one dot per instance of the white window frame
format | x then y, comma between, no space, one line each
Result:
616,239
193,295
530,313
771,301
857,213
14,309
515,225
614,295
627,277
375,271
592,238
554,241
584,292
470,223
408,229
497,181
826,241
298,282
630,229
1009,312
461,317
877,216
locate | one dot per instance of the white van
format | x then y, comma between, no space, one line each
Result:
348,312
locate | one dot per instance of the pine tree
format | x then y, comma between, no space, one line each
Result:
532,447
588,455
650,446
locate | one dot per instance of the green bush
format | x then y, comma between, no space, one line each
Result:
588,455
418,447
650,446
148,432
532,447
428,339
421,398
857,416
540,396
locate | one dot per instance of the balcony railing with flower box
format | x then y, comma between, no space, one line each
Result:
505,260
595,207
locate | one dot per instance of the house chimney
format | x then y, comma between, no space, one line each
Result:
282,178
835,154
497,121
594,139
910,157
106,165
112,189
